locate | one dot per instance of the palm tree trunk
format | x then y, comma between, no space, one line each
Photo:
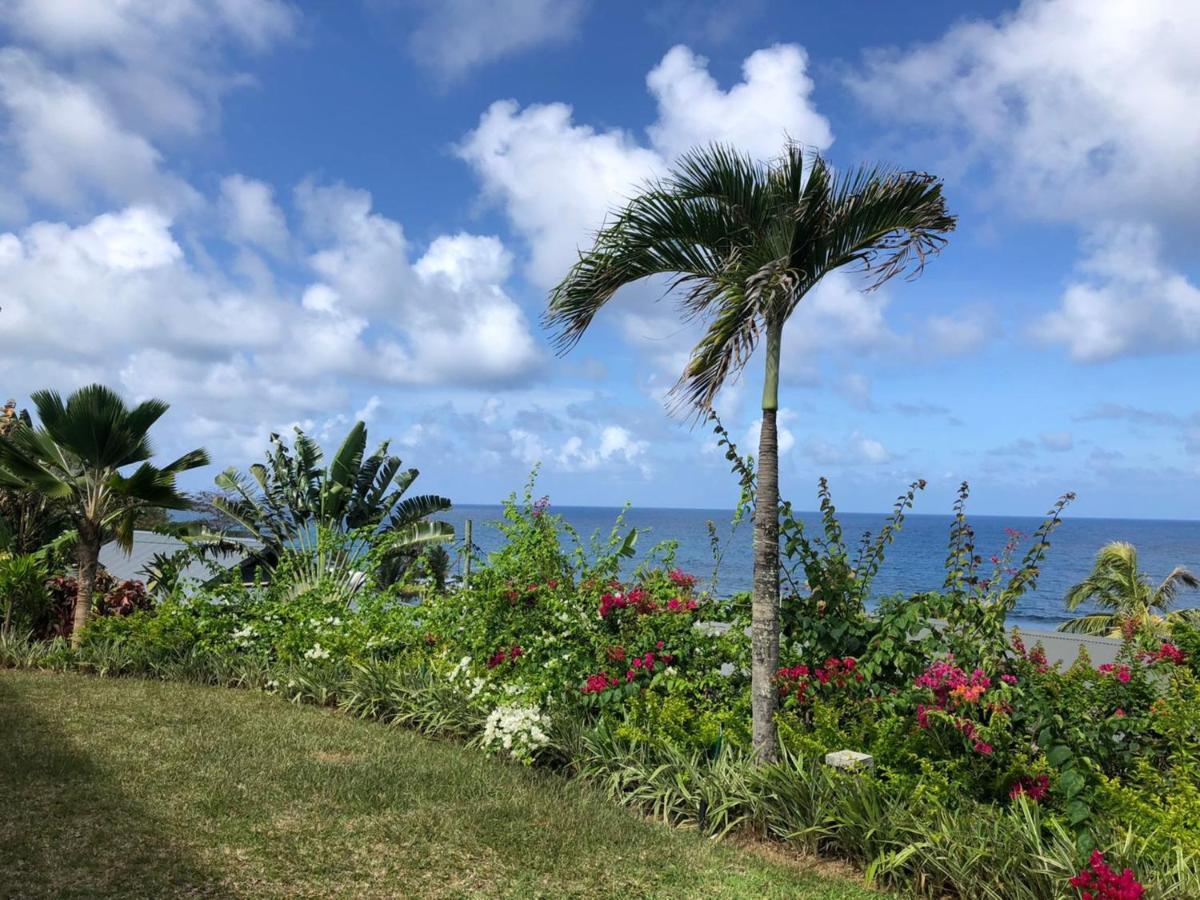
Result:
88,555
764,611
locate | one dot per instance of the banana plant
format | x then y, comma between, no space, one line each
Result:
291,500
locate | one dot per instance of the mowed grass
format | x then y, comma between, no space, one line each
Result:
130,788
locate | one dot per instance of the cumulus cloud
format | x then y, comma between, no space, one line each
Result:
373,311
455,321
516,152
455,36
87,90
775,90
251,215
1079,109
602,446
1125,300
69,145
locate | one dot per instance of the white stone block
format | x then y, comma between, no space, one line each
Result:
849,759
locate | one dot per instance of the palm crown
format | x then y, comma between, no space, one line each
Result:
742,243
1133,602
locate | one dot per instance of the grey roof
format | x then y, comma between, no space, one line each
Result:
1064,648
147,544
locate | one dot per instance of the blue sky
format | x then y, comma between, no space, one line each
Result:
273,213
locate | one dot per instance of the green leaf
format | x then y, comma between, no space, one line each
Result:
1058,755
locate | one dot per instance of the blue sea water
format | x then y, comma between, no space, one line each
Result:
915,560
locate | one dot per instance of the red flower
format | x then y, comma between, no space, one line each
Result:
1033,788
1099,882
616,654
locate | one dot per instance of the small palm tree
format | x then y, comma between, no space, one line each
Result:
742,243
1135,605
76,456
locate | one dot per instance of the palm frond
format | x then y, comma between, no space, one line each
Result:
1098,624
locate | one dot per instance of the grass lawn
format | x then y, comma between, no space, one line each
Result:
129,788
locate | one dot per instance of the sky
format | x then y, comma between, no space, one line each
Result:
273,214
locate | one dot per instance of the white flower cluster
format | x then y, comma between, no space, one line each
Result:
244,635
460,668
516,730
316,651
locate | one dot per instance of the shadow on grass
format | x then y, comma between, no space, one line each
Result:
67,829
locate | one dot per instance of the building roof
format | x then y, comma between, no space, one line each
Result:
148,544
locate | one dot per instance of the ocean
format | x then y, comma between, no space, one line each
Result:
915,560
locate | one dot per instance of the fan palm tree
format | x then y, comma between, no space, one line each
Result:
291,500
1134,604
741,243
76,456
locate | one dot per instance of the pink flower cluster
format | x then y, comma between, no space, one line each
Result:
952,689
1099,882
951,685
1036,656
682,579
644,664
640,600
1122,672
500,657
1168,652
1035,788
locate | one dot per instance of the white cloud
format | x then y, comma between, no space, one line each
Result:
69,145
770,104
454,321
855,450
516,152
119,294
602,447
89,89
456,36
251,215
1080,109
1126,300
956,334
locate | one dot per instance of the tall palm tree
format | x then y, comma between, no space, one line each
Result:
1134,603
76,456
290,501
741,243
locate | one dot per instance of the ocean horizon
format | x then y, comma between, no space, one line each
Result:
914,562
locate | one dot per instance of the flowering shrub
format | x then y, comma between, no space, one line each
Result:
963,701
1099,882
519,731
